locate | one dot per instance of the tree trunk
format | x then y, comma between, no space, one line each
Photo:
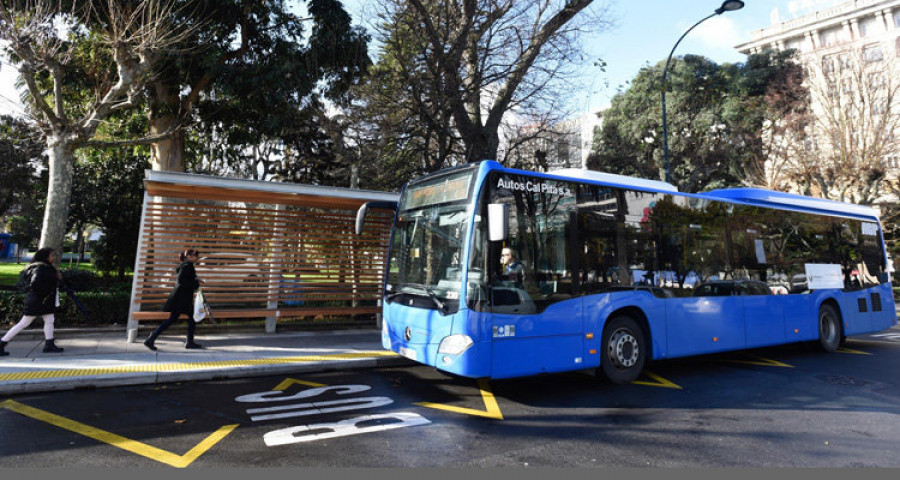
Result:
482,145
354,176
79,243
59,191
168,154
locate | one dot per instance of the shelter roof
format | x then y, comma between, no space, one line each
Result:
208,187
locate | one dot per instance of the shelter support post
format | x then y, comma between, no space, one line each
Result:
275,270
131,330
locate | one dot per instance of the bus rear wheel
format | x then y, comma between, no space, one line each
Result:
829,329
624,350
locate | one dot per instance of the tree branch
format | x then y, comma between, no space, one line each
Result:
506,92
125,143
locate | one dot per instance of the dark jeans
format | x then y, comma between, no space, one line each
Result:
192,325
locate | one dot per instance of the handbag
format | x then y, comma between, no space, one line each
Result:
201,308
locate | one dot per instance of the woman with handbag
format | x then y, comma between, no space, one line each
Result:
181,300
40,300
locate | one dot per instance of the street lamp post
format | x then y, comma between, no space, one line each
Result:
727,6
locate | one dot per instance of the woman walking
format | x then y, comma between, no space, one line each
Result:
181,300
40,300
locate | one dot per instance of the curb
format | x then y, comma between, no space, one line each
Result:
143,378
60,333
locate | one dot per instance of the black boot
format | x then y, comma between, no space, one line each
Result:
149,343
50,347
190,344
3,351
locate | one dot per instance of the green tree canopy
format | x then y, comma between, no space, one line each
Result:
716,117
253,77
20,159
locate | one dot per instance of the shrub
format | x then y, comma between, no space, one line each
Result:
80,280
105,308
11,306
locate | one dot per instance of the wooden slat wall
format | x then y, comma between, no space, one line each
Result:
262,260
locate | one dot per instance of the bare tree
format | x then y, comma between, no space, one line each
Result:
774,147
480,59
854,129
109,47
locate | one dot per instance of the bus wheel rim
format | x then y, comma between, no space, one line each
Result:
623,349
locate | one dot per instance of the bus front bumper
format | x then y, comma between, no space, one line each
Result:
474,360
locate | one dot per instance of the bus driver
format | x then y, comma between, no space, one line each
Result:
512,267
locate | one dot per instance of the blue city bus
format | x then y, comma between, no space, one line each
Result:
495,272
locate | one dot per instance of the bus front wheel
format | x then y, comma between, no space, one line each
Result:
829,329
624,350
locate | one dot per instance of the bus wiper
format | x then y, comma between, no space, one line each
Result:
392,296
434,298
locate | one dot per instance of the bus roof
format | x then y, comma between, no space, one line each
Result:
772,198
758,196
604,177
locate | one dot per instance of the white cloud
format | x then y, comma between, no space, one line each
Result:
718,32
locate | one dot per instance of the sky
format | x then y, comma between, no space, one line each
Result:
644,33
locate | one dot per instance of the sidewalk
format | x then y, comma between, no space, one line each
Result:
103,359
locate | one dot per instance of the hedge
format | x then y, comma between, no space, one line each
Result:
105,308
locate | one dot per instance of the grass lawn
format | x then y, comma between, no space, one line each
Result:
9,272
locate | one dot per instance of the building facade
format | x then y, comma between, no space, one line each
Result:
564,144
858,24
851,58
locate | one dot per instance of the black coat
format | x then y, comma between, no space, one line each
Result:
181,300
40,296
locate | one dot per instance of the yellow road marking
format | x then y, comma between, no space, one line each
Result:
765,362
491,408
659,381
287,382
118,441
174,367
850,350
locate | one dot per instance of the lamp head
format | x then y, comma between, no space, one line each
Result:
730,6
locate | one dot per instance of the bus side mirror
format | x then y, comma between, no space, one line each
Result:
498,222
364,209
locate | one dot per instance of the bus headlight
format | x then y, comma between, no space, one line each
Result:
455,344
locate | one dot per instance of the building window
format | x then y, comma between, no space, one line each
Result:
794,44
831,37
844,61
872,53
868,27
897,18
828,64
877,81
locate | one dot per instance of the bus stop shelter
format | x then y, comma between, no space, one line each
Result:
268,250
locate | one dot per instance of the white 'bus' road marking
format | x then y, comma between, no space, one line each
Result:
322,431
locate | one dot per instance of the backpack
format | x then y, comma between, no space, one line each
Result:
26,277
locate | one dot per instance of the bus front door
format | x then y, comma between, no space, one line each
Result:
527,341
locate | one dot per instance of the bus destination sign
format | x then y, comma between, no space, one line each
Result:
449,189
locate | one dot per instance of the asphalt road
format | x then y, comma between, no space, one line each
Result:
788,406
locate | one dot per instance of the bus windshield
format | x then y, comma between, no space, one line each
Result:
428,240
